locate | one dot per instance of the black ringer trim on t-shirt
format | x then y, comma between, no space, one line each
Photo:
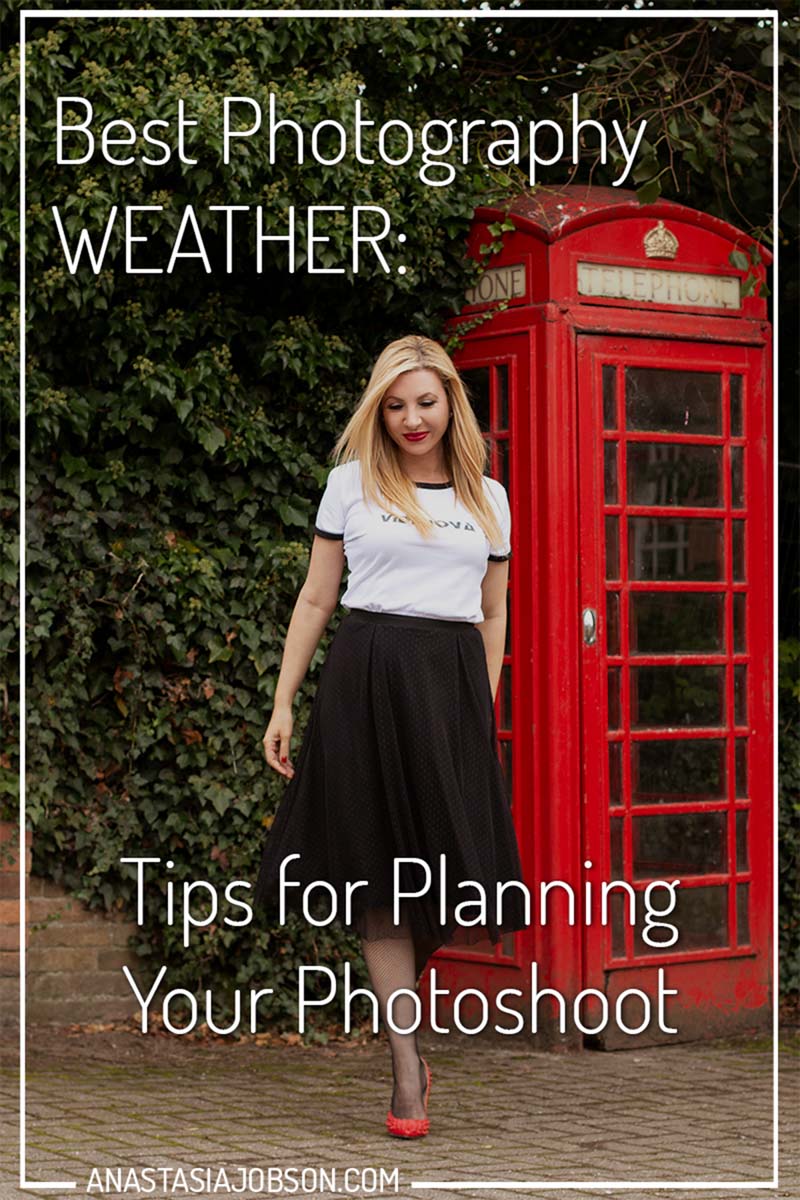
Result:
336,537
499,557
433,485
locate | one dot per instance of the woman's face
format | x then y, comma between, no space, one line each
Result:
416,413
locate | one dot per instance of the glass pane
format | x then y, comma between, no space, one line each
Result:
677,622
673,401
616,849
668,474
612,622
660,548
743,913
611,490
737,477
476,381
738,551
615,773
613,698
504,716
700,916
619,907
741,769
505,762
739,639
742,857
502,463
501,375
740,695
677,695
665,772
736,405
609,397
612,547
679,844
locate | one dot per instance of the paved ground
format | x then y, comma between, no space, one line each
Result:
696,1112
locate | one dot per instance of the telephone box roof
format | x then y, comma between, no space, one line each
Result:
551,213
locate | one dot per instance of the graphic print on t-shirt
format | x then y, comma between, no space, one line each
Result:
393,568
442,524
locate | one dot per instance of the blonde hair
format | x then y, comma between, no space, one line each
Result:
465,452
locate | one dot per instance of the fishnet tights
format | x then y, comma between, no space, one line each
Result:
393,963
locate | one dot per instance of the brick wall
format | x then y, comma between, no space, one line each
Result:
74,955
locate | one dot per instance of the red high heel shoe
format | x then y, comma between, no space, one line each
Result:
412,1127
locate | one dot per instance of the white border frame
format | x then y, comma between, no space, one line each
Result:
765,14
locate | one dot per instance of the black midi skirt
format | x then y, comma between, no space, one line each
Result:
398,761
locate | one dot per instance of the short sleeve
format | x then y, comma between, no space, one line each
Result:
330,514
501,552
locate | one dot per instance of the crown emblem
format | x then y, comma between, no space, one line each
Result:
660,242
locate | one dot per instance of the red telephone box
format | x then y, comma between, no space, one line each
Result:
623,385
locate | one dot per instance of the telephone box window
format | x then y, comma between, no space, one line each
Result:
666,549
501,371
613,698
673,401
502,462
609,397
740,695
612,547
742,791
674,771
476,381
738,551
701,917
610,472
674,475
615,773
505,697
679,844
737,477
612,622
619,919
617,870
677,622
736,405
743,913
739,602
677,695
742,858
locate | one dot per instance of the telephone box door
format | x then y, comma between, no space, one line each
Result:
675,605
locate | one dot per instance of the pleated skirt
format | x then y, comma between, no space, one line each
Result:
398,762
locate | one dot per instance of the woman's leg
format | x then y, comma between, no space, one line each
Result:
392,964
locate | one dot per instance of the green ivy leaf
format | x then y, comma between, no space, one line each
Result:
211,439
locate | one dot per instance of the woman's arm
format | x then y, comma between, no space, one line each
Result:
493,627
315,604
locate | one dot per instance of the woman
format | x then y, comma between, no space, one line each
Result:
399,758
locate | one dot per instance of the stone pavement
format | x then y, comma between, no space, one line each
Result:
500,1113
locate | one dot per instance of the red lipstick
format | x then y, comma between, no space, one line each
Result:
415,437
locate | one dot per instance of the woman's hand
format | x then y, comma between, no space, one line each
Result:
311,613
277,741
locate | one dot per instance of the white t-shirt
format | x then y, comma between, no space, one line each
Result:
393,568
